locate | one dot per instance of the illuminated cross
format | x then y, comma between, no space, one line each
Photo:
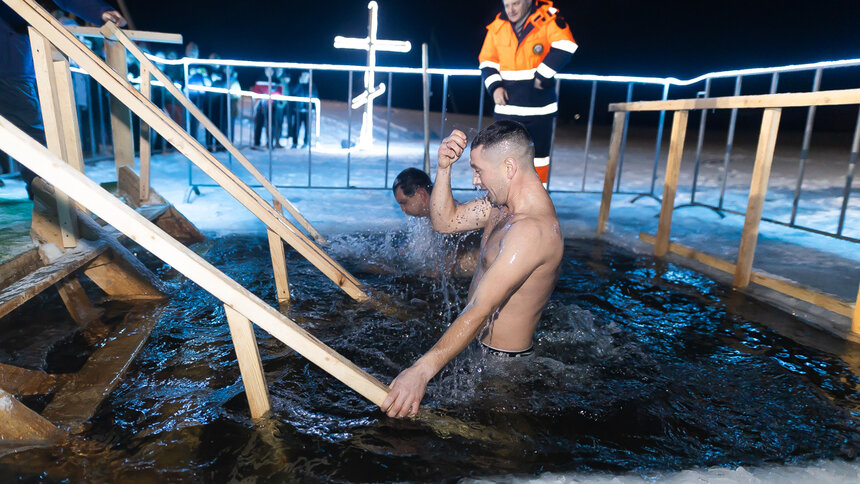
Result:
372,45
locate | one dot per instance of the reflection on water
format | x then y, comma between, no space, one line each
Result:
640,367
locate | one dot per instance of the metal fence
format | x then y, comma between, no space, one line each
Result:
577,92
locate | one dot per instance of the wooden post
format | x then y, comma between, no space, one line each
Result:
59,116
279,262
673,169
110,30
80,308
118,272
185,144
19,423
145,148
86,192
758,189
250,364
611,169
120,115
855,324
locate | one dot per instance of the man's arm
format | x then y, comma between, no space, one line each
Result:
516,261
446,214
561,49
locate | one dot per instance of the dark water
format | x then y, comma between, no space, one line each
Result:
640,366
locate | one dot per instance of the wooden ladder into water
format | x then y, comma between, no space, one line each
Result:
69,196
242,306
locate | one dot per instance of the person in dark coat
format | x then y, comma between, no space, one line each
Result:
19,101
300,111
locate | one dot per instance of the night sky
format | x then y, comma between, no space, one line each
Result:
659,38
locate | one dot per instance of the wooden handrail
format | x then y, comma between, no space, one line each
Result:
186,144
786,100
89,194
111,31
138,35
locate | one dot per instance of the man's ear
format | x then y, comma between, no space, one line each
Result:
511,167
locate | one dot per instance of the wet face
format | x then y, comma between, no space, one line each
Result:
516,9
488,174
418,205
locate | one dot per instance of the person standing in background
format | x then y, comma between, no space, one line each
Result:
527,43
19,100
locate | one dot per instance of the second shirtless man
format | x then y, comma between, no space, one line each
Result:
521,253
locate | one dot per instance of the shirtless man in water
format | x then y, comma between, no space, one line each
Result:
521,253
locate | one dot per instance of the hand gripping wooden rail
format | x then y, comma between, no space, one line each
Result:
121,89
237,299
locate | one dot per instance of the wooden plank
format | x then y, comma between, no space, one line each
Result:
20,424
145,148
136,35
673,169
796,291
250,364
76,301
163,214
20,266
611,170
279,263
785,100
77,400
128,186
86,192
74,154
22,381
29,286
855,323
118,272
152,212
112,31
120,115
51,98
758,190
179,227
45,225
186,144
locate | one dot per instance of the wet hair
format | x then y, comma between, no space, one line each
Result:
504,131
410,180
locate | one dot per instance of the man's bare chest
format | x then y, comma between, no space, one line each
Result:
493,239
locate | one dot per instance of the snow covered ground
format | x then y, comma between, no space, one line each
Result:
826,263
821,262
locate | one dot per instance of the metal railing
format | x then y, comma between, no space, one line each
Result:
605,88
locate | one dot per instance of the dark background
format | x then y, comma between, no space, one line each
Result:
657,38
625,37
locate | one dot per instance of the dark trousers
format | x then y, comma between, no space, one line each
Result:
216,105
301,119
261,119
19,103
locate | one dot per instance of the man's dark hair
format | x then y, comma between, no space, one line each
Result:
502,131
410,180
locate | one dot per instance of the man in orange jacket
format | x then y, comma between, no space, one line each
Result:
525,46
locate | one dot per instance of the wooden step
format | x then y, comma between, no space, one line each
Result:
79,398
31,285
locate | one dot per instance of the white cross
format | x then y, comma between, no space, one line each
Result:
371,44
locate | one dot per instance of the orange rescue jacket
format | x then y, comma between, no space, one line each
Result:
546,45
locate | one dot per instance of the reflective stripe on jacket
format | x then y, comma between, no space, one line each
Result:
546,47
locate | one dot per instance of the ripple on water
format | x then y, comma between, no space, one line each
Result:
640,367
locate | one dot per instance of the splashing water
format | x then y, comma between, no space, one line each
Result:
641,368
